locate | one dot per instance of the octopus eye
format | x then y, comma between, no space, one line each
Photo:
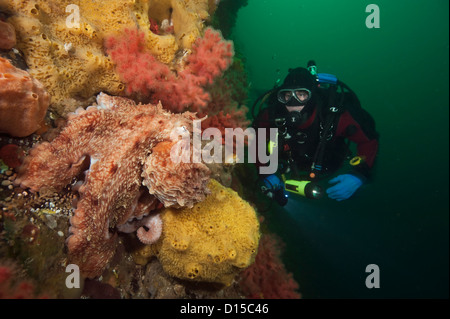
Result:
182,130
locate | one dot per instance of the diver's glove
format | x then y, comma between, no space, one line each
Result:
273,188
346,186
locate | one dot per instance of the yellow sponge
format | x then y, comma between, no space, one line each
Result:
213,241
62,40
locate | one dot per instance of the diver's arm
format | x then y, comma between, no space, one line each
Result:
367,146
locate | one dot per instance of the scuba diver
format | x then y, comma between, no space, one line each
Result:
317,117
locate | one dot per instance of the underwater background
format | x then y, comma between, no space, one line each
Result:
137,51
400,73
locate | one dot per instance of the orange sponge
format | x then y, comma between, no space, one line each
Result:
23,101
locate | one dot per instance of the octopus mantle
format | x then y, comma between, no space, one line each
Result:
121,147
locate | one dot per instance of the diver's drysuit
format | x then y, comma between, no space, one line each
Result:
315,140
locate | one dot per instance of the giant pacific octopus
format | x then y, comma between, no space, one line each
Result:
125,149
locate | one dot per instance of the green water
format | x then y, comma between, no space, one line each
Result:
401,74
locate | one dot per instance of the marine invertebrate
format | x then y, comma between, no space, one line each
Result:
153,223
144,74
221,120
7,36
11,155
267,278
212,241
120,142
11,288
43,34
225,110
23,101
212,56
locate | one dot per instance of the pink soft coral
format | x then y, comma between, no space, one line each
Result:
14,288
267,278
221,121
223,112
141,71
143,74
212,55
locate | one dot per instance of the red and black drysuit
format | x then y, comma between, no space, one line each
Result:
353,124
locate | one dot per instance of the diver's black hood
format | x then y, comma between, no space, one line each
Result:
300,78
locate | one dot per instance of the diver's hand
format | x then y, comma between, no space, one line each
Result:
274,189
346,186
272,182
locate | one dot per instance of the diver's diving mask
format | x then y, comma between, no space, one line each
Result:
293,97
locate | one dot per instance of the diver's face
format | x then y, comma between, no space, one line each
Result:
298,108
300,95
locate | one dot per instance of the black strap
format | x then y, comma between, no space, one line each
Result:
332,113
316,166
